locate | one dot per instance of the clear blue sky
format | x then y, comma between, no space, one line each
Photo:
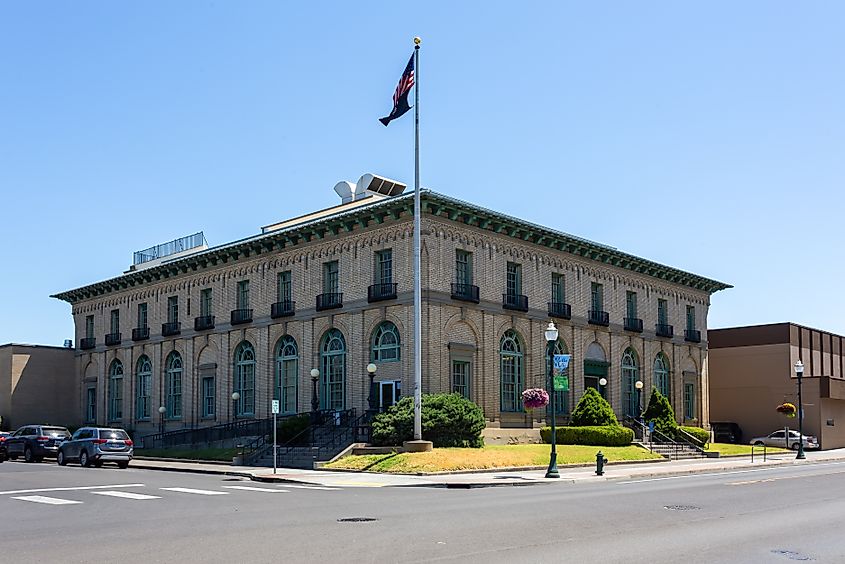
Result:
709,137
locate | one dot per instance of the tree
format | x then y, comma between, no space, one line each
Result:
592,409
660,411
448,420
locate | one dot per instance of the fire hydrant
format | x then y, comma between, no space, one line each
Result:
600,462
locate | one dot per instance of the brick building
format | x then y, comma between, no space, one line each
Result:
332,290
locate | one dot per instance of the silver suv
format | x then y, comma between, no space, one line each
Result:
95,445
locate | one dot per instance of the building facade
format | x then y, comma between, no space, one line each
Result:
332,290
38,384
752,372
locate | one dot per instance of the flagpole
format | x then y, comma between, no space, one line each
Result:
417,245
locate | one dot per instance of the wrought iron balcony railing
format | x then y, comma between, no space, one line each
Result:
560,310
87,343
465,293
664,330
241,316
203,323
329,301
692,335
112,339
284,308
171,328
633,324
598,317
516,302
379,292
140,333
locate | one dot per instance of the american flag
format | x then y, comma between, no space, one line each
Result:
400,96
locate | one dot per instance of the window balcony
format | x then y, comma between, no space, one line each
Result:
692,335
664,330
140,333
171,328
241,316
465,293
379,292
203,323
284,308
516,302
560,310
329,301
598,317
633,324
112,339
87,343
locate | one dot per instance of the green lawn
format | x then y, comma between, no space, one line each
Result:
489,457
726,449
224,454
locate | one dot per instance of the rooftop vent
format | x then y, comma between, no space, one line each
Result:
371,183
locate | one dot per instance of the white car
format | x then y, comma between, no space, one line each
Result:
778,439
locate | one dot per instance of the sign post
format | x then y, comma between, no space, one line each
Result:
274,407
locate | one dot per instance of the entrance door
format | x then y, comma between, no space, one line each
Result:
388,394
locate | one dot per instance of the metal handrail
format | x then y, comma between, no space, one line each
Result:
691,440
753,446
194,435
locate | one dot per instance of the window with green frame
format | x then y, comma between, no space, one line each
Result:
333,370
662,312
208,396
689,400
173,309
142,316
143,387
173,386
243,294
661,376
385,343
115,321
461,377
91,405
245,379
331,279
514,279
205,302
463,267
596,296
511,372
691,318
384,266
287,374
631,304
284,291
115,391
558,288
89,327
630,375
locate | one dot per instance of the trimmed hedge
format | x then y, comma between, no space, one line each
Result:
605,435
702,435
448,420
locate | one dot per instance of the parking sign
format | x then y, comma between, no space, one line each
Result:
275,407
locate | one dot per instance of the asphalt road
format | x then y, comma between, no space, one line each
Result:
783,514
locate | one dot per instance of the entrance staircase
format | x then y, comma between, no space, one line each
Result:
684,447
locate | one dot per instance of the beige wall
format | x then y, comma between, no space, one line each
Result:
38,386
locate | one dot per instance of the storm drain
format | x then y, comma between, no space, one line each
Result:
356,520
681,507
792,555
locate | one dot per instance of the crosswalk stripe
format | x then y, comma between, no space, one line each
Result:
193,491
254,489
128,495
47,500
72,489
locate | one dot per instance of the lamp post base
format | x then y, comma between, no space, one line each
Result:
417,446
552,470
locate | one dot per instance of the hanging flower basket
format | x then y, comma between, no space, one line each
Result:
787,409
535,398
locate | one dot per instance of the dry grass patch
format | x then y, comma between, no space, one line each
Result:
489,457
727,449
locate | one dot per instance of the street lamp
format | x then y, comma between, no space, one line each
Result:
315,402
639,386
602,384
371,399
799,372
235,397
551,339
161,411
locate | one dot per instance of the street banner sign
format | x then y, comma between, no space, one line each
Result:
275,407
561,381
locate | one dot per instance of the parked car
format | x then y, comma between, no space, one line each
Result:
3,436
35,442
726,432
779,439
96,445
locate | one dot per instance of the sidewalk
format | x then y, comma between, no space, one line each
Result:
493,478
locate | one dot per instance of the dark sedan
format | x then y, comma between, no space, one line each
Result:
3,436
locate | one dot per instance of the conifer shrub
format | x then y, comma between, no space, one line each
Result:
660,411
593,410
448,420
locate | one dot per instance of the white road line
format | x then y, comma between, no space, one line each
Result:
47,500
717,473
254,489
128,495
311,487
193,491
11,492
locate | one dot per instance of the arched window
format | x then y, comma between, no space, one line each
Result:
630,375
661,376
173,385
287,374
115,391
245,380
143,387
561,397
333,370
385,343
511,368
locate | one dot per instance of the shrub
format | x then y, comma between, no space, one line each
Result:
290,431
702,435
593,410
660,411
448,420
607,435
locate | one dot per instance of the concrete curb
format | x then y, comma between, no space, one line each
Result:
212,471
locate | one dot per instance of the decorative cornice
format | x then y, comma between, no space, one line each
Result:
392,209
